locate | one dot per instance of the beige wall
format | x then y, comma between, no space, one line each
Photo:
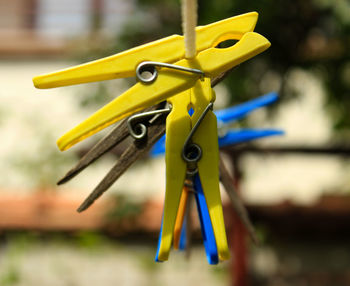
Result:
13,14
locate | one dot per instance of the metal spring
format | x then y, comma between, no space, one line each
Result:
191,152
139,130
150,67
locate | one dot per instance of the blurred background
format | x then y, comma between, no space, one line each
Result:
296,187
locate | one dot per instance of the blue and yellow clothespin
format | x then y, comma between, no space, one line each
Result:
184,83
226,138
208,235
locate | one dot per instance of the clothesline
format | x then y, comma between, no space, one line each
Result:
189,23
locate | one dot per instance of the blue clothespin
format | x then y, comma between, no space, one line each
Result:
206,226
230,115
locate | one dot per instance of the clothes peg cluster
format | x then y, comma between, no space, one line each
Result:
226,137
175,96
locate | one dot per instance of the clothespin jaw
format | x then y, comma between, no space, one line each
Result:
183,242
205,222
167,50
208,235
244,135
239,111
208,165
178,126
180,217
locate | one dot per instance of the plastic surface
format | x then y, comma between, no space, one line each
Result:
230,115
181,213
180,120
179,124
244,135
206,224
211,60
231,137
183,236
241,110
169,82
156,259
208,165
168,50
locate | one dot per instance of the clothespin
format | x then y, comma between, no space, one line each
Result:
152,126
208,235
184,83
229,137
229,115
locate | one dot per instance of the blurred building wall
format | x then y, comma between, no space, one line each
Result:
12,15
31,27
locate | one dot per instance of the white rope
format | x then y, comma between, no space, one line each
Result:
189,23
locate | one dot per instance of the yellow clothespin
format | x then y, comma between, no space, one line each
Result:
179,125
185,84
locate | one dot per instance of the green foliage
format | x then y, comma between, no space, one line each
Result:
10,277
17,244
44,165
125,208
89,240
2,114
